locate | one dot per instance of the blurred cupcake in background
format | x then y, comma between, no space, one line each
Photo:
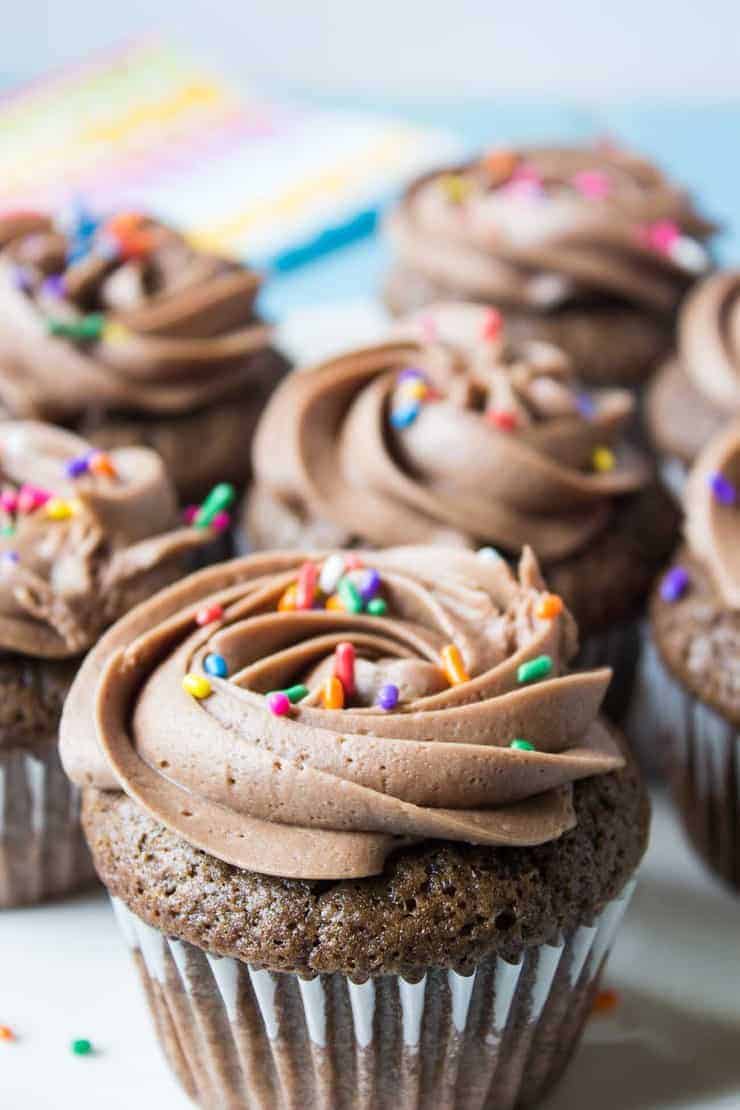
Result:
687,697
456,434
122,329
590,248
84,536
697,391
371,855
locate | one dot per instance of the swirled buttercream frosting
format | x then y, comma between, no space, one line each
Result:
83,536
543,226
120,313
304,715
449,434
712,503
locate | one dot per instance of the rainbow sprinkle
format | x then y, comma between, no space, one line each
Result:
674,584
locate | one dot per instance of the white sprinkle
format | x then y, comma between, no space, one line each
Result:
331,572
488,554
689,254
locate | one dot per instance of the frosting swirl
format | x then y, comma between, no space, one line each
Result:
449,434
121,314
327,792
712,502
544,226
77,551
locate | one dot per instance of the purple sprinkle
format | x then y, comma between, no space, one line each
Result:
369,584
585,405
722,488
675,583
10,556
388,696
78,466
22,279
411,374
53,286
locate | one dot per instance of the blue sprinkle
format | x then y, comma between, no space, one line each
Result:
722,488
369,584
215,665
586,406
674,584
403,417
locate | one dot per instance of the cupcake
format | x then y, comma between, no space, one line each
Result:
123,330
365,833
590,248
697,391
457,435
84,536
687,700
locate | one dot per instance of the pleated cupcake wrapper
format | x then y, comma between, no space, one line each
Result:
617,647
42,850
243,1038
701,753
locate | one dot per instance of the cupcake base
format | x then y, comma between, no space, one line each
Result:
240,1037
43,853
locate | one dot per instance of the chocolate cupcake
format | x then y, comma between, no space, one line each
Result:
84,536
698,390
121,329
590,248
465,437
687,699
364,831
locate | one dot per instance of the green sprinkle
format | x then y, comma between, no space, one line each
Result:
534,669
296,693
81,1047
378,607
350,596
7,530
221,497
522,746
87,327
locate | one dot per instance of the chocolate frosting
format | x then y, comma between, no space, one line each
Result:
178,328
713,522
63,580
450,475
543,226
327,793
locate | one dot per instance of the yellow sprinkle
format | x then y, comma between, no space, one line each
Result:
286,604
197,685
453,665
115,332
335,602
58,508
603,459
456,187
416,391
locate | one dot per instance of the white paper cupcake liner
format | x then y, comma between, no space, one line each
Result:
619,648
243,1038
700,751
42,850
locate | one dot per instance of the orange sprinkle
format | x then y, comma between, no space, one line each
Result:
500,163
287,602
102,465
605,1002
453,666
335,602
550,606
123,223
6,1033
332,694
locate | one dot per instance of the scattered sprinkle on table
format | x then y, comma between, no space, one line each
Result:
6,1033
81,1047
674,584
540,667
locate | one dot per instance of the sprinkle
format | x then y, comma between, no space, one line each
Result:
189,513
8,501
456,187
115,332
605,1002
77,466
585,405
453,666
278,703
533,669
305,590
6,1033
428,327
349,595
689,254
500,163
674,584
196,685
87,327
414,391
209,613
332,693
344,667
410,374
221,521
603,459
549,606
22,279
287,601
503,419
81,1047
353,561
369,584
296,693
31,497
53,286
661,235
404,415
722,488
59,508
221,497
522,746
102,465
7,530
593,184
493,323
331,571
215,665
388,696
10,557
378,607
488,554
334,604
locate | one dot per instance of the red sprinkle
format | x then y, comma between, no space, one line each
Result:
492,324
503,419
8,501
305,593
189,513
344,667
31,497
209,613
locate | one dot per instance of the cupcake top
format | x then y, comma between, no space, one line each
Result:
121,312
699,389
543,226
450,434
83,536
305,715
696,610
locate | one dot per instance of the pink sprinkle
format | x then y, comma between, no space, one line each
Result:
353,562
221,521
661,236
8,501
428,329
279,703
32,497
593,184
492,324
189,513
